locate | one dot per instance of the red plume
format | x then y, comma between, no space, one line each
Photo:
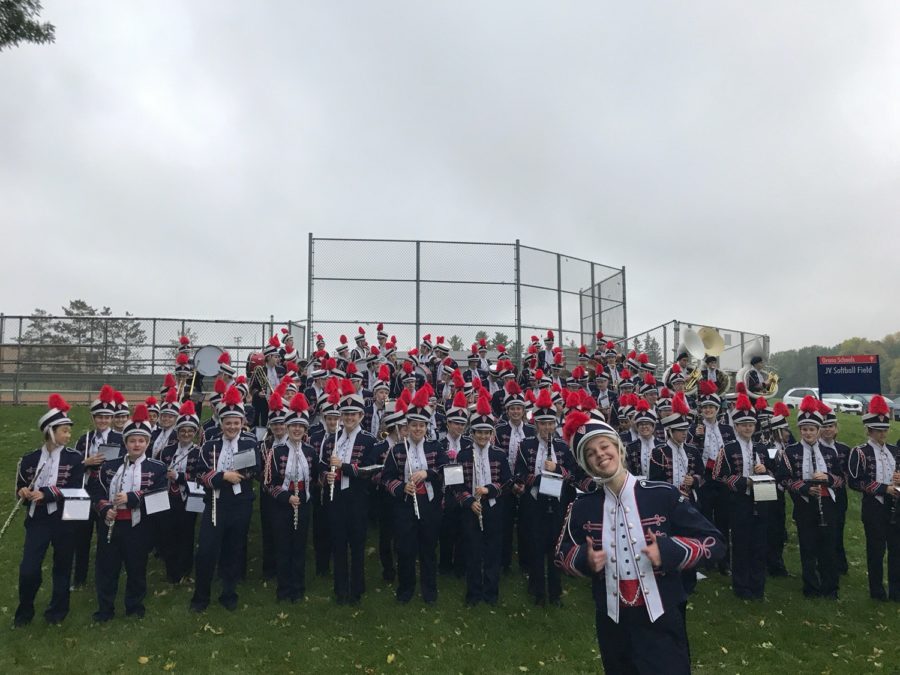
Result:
375,351
275,401
665,393
319,338
187,408
574,420
578,372
285,381
587,402
413,352
555,387
380,326
405,397
539,374
582,351
824,408
171,395
550,334
459,401
557,350
610,345
708,388
402,404
184,340
557,360
334,397
632,355
384,372
534,338
58,402
440,339
118,397
761,403
512,388
225,358
781,409
332,386
420,399
649,380
679,404
232,396
676,369
501,349
168,381
809,404
274,341
483,407
457,379
240,379
360,330
292,367
284,331
626,374
743,402
343,339
140,413
299,404
740,388
220,387
643,359
182,359
150,400
529,395
347,387
544,400
482,343
878,406
407,367
642,406
599,334
351,369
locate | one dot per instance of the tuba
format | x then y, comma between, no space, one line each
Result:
699,344
770,386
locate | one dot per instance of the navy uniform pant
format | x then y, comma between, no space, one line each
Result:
714,505
290,549
483,550
177,545
267,527
225,543
83,531
748,546
634,645
416,539
39,535
129,547
818,559
452,558
384,507
321,535
348,525
512,525
776,537
543,518
841,554
881,536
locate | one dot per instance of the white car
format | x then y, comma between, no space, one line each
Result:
838,402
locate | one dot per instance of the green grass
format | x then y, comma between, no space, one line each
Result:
785,633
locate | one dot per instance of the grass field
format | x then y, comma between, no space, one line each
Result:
785,633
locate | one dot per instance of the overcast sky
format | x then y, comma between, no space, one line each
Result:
740,159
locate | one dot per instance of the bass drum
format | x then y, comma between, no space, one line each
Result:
206,360
254,360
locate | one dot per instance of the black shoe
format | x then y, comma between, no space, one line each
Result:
556,602
101,617
230,603
342,600
137,612
779,572
388,575
471,603
198,607
20,621
54,618
492,602
431,602
540,601
404,599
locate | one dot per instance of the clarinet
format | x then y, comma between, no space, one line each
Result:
297,507
333,470
215,493
480,515
109,531
415,497
21,500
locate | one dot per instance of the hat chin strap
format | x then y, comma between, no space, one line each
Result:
599,480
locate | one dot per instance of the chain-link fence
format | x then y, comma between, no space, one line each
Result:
505,292
663,342
75,355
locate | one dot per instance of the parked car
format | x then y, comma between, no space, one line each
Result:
896,403
838,402
866,398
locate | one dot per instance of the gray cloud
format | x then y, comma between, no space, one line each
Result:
160,152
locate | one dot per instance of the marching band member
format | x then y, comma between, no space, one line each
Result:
546,356
779,437
121,413
756,378
177,524
542,514
375,408
88,445
638,452
875,472
711,436
229,505
117,492
40,476
486,474
508,437
291,472
474,371
394,425
810,472
412,473
737,461
361,350
330,416
277,435
163,434
636,593
828,439
679,464
264,382
153,411
452,556
348,452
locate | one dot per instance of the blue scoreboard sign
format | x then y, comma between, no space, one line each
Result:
849,374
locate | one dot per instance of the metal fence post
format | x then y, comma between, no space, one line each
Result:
518,278
309,298
18,365
594,317
153,350
418,289
624,305
559,298
676,334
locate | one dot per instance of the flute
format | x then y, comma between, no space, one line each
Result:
415,500
215,492
297,505
21,500
480,516
109,531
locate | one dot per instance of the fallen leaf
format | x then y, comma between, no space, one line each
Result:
143,660
724,651
390,658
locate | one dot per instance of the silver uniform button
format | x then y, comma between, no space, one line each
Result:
637,556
